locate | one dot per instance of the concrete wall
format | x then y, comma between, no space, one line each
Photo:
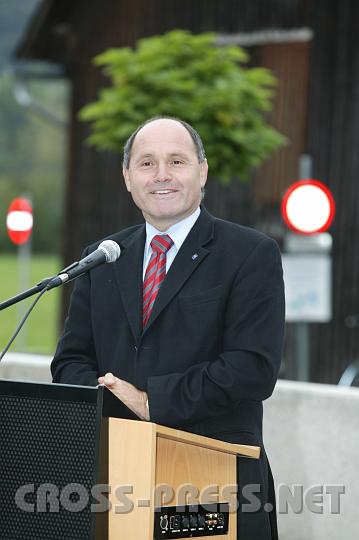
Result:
311,433
312,439
25,367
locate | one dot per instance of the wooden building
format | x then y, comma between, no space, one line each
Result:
313,48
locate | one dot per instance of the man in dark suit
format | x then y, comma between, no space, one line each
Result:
186,328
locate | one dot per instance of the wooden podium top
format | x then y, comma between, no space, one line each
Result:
207,442
197,440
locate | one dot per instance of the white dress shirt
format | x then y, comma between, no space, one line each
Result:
178,232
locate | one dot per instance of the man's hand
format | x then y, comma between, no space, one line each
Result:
131,396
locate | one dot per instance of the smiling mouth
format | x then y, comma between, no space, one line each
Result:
163,191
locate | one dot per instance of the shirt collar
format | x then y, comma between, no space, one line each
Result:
178,232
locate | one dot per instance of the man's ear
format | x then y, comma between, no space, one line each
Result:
203,173
126,176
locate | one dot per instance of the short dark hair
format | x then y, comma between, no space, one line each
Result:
194,136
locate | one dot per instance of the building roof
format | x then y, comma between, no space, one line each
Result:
48,34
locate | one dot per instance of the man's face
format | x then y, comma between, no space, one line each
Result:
164,176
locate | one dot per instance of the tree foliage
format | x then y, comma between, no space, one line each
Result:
190,77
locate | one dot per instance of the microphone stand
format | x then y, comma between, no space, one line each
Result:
47,283
108,251
39,289
25,294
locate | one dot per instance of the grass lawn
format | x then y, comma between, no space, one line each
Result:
40,332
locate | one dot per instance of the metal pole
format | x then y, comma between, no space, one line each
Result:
302,370
24,260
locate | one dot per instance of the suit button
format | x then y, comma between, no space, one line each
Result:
136,348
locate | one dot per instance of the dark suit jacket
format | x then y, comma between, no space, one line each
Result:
211,350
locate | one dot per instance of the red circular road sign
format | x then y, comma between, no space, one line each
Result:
19,221
308,207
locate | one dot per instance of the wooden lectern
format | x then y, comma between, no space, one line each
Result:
63,445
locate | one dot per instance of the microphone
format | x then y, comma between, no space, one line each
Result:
107,252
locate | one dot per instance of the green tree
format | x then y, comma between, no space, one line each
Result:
191,77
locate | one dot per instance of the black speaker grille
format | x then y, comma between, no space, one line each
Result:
45,441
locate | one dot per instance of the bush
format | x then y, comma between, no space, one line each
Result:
190,77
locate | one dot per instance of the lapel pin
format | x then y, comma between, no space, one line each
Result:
194,256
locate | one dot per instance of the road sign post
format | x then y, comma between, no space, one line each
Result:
308,210
19,223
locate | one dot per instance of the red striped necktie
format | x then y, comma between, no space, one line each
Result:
155,273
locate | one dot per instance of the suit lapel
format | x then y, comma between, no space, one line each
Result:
128,270
188,258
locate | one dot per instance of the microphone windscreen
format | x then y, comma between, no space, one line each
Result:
111,250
